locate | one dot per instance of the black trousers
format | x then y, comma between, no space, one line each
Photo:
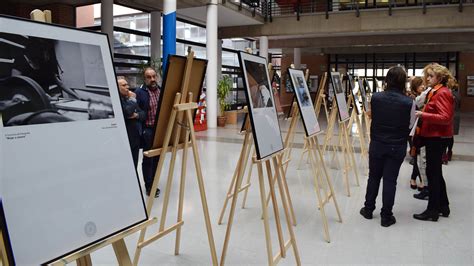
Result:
384,162
149,165
438,197
416,170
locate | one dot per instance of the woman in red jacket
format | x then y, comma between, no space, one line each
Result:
436,129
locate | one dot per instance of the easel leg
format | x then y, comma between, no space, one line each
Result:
352,159
84,261
266,225
121,253
238,183
271,185
202,190
182,183
248,181
320,201
279,172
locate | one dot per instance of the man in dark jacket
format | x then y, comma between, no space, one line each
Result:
148,96
133,116
393,115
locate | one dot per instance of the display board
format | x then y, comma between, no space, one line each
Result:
339,96
172,84
263,114
354,89
67,178
303,99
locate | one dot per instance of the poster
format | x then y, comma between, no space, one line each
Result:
339,96
263,114
303,99
362,88
66,171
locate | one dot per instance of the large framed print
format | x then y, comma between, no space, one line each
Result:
262,110
340,97
354,89
67,178
303,99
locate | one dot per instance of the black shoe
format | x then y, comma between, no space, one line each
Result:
412,161
444,211
157,193
427,216
413,186
366,213
423,195
388,221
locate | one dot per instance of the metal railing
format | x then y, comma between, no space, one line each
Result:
274,8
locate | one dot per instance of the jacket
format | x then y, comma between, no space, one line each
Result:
391,117
437,116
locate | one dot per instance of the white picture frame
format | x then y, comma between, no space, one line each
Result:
262,109
65,185
340,96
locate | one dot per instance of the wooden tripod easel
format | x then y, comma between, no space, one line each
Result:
321,98
345,145
3,251
237,187
181,118
364,155
246,151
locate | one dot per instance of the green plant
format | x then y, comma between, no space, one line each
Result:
224,85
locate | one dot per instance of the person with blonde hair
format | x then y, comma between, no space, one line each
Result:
436,128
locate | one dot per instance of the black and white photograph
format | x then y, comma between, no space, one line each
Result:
354,89
263,114
305,105
314,81
340,97
48,81
260,92
80,185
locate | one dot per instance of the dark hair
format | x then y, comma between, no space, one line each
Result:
415,83
396,79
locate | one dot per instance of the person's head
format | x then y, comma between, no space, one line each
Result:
123,85
150,77
396,79
435,74
416,85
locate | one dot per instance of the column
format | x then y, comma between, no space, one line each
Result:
107,20
155,32
211,77
297,57
264,47
169,30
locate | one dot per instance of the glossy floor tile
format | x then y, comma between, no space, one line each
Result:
354,241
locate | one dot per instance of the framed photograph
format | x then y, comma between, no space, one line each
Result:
305,105
363,85
67,178
172,84
314,81
339,96
355,97
262,111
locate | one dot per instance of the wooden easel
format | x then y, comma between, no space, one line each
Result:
3,252
364,154
82,257
244,157
181,117
237,187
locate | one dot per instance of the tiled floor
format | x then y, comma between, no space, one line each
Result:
355,241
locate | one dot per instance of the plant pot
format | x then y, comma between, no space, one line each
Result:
231,117
221,121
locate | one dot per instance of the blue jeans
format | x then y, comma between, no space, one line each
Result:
384,162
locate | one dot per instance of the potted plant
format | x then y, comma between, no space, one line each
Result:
224,85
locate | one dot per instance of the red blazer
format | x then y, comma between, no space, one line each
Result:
438,114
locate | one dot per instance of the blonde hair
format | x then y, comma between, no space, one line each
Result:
442,73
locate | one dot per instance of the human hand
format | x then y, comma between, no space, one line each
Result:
134,116
418,113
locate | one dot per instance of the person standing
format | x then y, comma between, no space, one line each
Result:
133,115
392,116
436,129
148,96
